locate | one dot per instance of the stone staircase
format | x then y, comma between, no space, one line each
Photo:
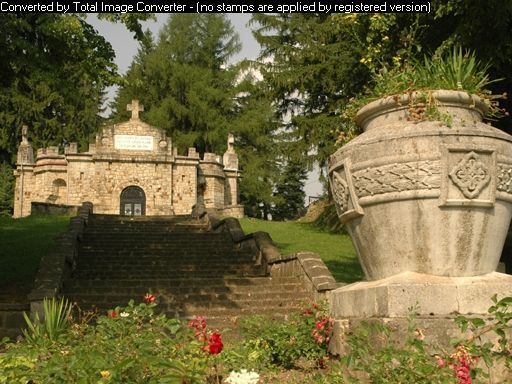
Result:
191,270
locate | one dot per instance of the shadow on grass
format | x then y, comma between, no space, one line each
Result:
345,271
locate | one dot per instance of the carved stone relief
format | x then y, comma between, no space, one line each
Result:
504,176
470,175
340,193
398,177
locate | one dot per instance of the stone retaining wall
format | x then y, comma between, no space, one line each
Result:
41,208
307,265
59,263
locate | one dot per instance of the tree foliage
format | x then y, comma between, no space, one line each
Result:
392,42
183,81
315,64
6,189
290,191
54,68
190,91
311,65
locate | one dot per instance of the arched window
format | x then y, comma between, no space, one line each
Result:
59,192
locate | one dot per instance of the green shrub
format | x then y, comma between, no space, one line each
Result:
128,345
412,361
283,343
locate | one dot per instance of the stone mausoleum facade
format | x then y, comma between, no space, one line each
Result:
132,169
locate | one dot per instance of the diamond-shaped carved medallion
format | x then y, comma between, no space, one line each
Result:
470,175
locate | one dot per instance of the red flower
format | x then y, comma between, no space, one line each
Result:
148,298
215,343
113,314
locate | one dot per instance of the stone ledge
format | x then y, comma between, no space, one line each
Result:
393,296
317,271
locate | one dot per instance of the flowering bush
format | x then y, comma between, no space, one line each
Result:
127,345
212,342
284,342
134,345
148,298
389,361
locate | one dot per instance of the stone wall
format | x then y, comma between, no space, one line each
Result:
184,192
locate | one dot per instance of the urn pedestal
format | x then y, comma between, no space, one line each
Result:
427,205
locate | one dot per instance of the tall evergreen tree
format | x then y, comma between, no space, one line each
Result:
290,191
312,67
184,82
189,90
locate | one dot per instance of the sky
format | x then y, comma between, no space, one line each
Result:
125,47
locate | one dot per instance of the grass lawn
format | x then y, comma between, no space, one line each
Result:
23,243
336,250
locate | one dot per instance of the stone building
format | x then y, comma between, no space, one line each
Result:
132,169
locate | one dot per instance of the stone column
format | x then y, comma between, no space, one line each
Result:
24,175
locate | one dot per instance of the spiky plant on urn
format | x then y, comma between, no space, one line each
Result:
427,187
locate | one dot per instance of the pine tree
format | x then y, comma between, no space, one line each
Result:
312,67
184,82
190,91
290,191
6,189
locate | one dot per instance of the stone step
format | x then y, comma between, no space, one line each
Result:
187,282
151,230
203,299
170,236
75,288
168,267
123,252
142,219
190,270
87,274
127,256
199,306
136,246
136,289
169,264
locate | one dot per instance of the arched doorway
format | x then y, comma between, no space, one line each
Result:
133,201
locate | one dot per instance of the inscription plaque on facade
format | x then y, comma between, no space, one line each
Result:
134,143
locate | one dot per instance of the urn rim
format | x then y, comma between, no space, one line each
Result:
445,98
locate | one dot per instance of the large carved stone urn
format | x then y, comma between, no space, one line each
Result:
425,196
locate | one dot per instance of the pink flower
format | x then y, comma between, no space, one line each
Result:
149,298
198,323
441,363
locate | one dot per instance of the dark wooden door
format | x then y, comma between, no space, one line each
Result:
133,201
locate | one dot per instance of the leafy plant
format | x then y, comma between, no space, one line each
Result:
128,344
283,343
56,315
376,356
455,70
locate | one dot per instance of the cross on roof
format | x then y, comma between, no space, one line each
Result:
135,108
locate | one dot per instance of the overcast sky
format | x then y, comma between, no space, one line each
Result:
126,47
